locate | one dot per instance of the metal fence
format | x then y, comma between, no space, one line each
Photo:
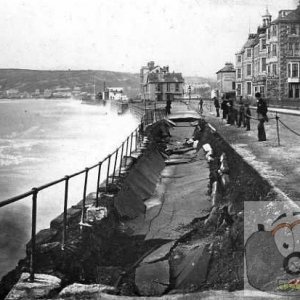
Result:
113,163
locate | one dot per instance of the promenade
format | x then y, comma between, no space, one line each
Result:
279,164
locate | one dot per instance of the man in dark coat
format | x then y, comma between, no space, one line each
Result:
168,106
262,117
224,107
217,106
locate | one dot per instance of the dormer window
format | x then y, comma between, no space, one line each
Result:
248,52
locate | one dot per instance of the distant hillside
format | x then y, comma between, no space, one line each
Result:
30,80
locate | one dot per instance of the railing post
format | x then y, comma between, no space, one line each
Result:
64,233
127,142
33,231
98,183
84,195
121,159
131,137
277,126
115,165
136,139
107,174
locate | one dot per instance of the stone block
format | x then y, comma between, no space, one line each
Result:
152,279
83,291
42,287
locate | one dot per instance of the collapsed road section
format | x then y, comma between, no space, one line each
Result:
174,224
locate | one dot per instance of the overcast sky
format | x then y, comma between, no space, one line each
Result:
194,37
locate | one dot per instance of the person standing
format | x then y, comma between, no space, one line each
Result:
247,117
262,117
217,106
168,106
224,107
201,106
241,115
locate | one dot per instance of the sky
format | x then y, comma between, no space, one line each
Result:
195,37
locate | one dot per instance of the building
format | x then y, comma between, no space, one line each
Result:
114,93
158,84
283,42
269,61
226,80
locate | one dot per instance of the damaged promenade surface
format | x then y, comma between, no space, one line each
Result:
174,224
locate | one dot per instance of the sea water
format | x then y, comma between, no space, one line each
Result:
41,141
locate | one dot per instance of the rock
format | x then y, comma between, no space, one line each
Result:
159,253
95,214
42,287
152,279
192,270
73,216
83,291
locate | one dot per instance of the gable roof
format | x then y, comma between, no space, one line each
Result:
227,68
165,77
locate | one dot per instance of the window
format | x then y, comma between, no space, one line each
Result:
239,58
249,71
274,50
248,52
233,85
296,46
274,31
158,87
269,69
168,87
274,69
239,73
177,87
263,64
268,33
295,70
293,29
263,44
249,88
238,89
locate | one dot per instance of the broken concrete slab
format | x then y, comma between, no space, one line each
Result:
185,199
83,291
175,161
42,287
191,269
159,253
152,279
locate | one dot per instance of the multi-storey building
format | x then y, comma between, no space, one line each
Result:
226,79
283,42
269,62
251,62
158,84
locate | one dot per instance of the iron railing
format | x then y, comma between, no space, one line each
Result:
113,162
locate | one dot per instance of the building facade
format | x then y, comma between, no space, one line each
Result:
269,61
226,78
158,84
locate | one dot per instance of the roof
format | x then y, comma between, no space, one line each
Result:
166,77
228,68
290,16
251,42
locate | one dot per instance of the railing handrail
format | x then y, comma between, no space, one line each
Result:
130,146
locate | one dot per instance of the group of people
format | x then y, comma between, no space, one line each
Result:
241,115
